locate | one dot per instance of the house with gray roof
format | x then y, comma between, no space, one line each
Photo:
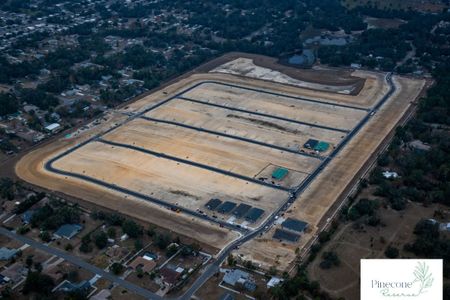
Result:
236,277
7,254
67,231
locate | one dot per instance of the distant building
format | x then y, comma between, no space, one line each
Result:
26,216
124,237
237,277
444,226
169,276
280,173
432,221
254,214
213,204
419,146
294,225
144,264
305,60
7,254
15,273
273,282
3,280
55,127
287,236
68,231
29,108
67,286
55,116
116,252
388,174
329,40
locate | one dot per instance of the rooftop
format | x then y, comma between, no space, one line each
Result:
254,214
68,286
144,264
280,173
295,225
419,145
321,146
26,216
52,127
169,276
233,276
213,204
274,281
226,207
310,144
15,272
241,210
68,231
285,235
6,253
307,58
388,174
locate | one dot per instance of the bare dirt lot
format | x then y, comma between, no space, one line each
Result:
219,152
311,112
330,77
217,145
160,177
313,204
268,130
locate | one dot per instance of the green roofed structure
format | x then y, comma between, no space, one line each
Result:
322,146
280,173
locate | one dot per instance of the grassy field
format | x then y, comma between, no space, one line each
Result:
355,240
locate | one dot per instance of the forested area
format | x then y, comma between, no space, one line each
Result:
269,27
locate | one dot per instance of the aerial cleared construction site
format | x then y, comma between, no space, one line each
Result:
227,154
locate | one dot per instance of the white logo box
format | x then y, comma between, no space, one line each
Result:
401,279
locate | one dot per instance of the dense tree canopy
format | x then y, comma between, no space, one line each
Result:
8,104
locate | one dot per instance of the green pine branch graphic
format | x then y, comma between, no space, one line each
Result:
422,275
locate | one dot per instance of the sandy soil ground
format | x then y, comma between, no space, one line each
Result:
324,75
164,179
160,177
374,87
276,132
30,169
315,113
314,203
246,67
220,152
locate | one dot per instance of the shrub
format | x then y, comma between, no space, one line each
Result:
391,252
